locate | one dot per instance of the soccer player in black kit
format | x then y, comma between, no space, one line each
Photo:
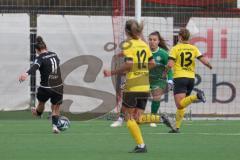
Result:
51,86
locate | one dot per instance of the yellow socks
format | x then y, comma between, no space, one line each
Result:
188,100
180,112
149,118
179,117
135,131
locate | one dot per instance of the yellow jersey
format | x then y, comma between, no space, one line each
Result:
137,79
184,55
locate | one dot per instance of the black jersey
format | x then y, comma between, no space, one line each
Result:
48,65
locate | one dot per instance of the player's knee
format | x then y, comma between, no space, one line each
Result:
41,103
138,119
179,106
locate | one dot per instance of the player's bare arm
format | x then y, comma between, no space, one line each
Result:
151,64
205,61
123,69
24,76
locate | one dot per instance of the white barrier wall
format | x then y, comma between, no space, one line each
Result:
73,36
83,38
14,46
219,39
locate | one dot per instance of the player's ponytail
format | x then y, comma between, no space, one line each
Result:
184,34
162,43
40,44
133,28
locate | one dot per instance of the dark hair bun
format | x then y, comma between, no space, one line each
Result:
40,44
39,39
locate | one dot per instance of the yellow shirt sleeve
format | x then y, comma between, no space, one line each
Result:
128,54
127,49
150,56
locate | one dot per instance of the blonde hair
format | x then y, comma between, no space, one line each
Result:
184,33
133,28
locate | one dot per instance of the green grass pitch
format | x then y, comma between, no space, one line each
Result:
95,140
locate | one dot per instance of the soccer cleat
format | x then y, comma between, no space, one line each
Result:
117,123
174,131
201,96
166,121
138,149
55,129
153,125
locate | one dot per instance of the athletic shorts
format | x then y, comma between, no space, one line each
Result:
54,94
183,85
135,99
154,84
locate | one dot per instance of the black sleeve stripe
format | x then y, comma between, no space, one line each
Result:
150,58
199,56
128,59
171,58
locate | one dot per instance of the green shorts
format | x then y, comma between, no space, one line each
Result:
154,84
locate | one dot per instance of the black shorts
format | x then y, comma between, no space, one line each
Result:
135,99
183,85
54,94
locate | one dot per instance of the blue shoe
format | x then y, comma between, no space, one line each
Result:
201,96
166,121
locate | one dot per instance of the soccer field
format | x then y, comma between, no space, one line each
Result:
94,140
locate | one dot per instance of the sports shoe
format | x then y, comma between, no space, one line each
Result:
174,131
153,125
117,123
55,129
139,150
166,121
201,96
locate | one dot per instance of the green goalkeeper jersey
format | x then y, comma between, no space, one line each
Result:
161,58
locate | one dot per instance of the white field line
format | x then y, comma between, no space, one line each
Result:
126,133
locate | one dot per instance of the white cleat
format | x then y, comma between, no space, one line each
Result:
116,124
153,125
55,129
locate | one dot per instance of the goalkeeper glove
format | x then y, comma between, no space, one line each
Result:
170,84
